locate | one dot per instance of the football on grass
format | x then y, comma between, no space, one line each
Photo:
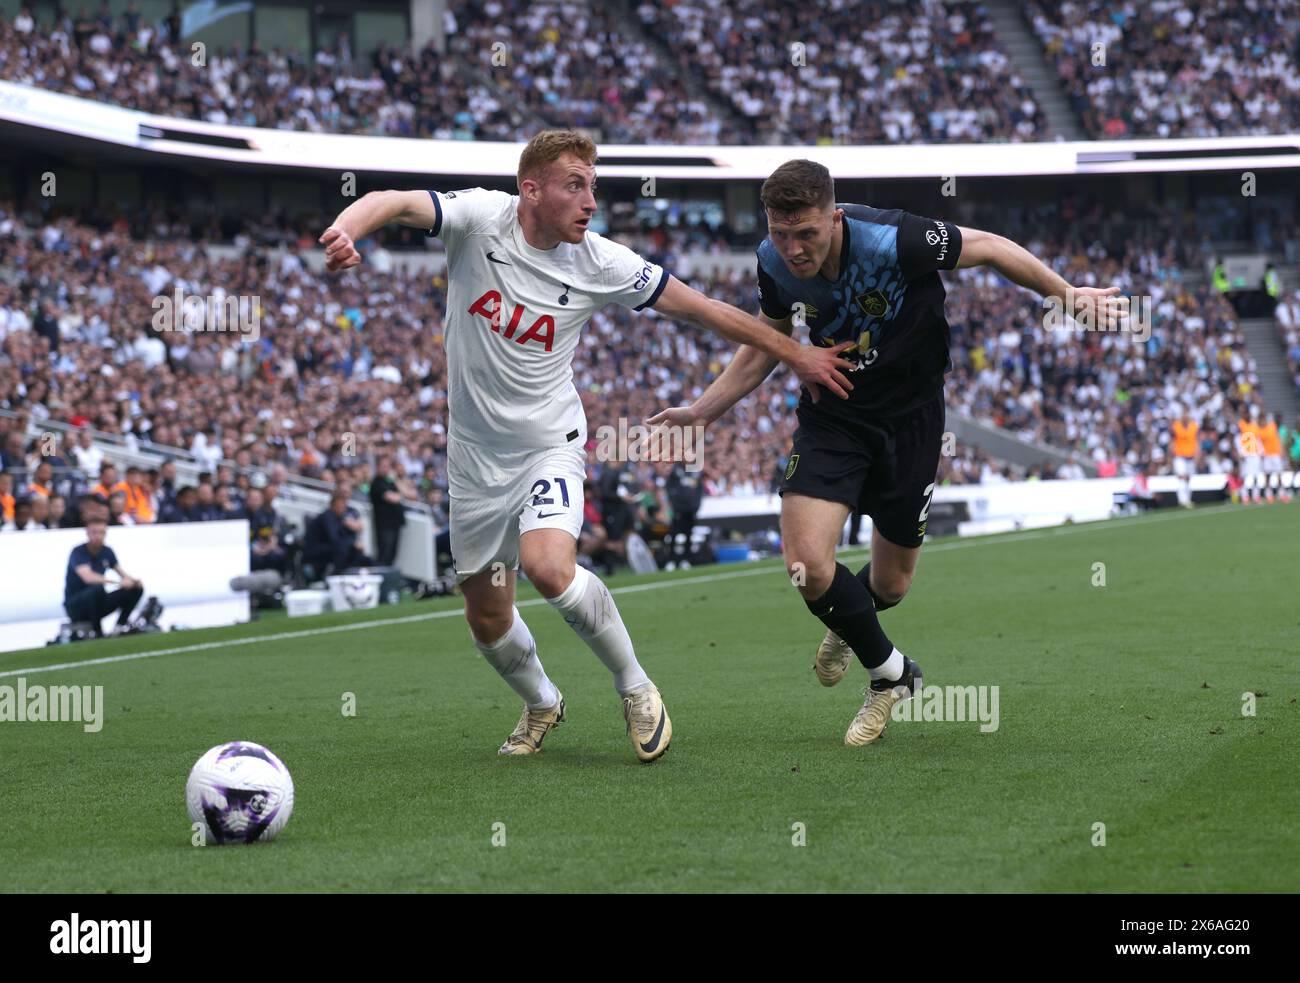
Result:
241,793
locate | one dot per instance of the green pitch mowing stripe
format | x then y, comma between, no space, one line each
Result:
1119,704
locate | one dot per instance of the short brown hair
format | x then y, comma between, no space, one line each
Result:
547,147
796,185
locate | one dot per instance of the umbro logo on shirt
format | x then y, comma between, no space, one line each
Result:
493,259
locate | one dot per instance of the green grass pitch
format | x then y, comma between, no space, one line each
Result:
1119,704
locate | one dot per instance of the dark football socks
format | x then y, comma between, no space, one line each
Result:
847,609
864,575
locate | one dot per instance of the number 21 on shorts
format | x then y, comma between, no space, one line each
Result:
541,492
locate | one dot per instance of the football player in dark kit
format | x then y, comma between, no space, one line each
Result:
867,280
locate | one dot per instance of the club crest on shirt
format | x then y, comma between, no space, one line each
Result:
873,304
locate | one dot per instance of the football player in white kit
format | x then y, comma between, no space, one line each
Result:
524,275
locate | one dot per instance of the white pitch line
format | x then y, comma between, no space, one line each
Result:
631,589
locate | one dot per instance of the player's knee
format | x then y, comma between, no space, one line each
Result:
550,575
890,588
810,576
488,626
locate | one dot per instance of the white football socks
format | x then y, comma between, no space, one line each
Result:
588,608
891,668
514,656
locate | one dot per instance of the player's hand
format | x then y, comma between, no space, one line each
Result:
1102,307
340,252
128,583
677,416
659,445
824,367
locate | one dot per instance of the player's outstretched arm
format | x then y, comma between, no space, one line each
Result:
814,366
743,374
1020,266
369,212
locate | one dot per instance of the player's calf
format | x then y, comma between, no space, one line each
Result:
848,611
834,654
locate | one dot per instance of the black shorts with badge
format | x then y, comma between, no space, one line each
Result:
884,467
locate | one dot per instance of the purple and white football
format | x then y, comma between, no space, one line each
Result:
241,793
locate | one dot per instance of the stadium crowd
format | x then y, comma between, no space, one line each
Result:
572,64
128,61
848,71
1176,68
707,71
1109,397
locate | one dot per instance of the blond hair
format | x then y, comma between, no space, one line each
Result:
547,147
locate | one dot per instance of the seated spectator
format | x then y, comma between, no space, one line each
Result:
22,520
108,482
206,508
88,457
182,507
42,482
226,506
40,512
139,505
12,456
165,488
330,545
225,477
117,513
88,507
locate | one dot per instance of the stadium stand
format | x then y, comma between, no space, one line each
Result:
927,72
841,72
627,91
1177,68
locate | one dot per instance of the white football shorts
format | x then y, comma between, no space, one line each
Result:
496,497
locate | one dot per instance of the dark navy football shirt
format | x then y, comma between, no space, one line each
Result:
888,298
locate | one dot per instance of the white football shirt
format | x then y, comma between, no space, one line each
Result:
514,316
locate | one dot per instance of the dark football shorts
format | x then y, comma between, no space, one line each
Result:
884,467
